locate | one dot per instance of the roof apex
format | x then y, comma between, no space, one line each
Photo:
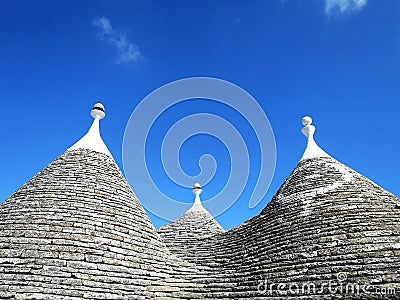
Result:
92,139
312,149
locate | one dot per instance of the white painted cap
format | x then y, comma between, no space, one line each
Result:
92,139
306,120
312,149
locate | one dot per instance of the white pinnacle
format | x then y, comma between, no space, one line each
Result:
92,139
197,203
312,150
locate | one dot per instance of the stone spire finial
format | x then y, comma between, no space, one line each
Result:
97,111
308,129
197,191
92,139
312,150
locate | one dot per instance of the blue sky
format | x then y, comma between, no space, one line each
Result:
336,60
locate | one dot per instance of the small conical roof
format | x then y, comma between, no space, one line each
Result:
195,225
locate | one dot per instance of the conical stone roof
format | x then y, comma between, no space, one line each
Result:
76,230
195,225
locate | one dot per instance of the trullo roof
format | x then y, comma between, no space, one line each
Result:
76,230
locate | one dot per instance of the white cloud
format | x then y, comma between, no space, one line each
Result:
343,6
128,52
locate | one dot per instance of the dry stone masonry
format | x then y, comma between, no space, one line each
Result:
77,231
195,225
